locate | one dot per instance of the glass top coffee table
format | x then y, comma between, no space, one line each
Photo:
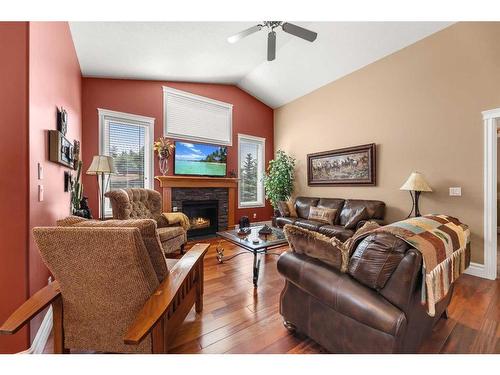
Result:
251,243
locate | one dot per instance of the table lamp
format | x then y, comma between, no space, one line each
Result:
415,183
102,166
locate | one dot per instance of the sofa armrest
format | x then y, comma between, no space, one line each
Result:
30,308
401,285
341,293
161,222
169,295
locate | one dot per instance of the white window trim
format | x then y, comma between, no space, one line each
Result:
169,90
147,122
262,170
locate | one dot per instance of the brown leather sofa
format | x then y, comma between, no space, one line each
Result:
346,208
372,308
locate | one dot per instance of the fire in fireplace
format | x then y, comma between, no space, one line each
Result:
203,216
200,222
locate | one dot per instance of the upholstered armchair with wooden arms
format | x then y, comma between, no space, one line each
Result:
146,204
108,295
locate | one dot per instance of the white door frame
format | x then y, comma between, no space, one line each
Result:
491,121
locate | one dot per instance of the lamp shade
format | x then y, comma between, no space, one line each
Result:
102,164
416,182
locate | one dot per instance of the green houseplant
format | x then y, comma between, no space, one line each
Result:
279,178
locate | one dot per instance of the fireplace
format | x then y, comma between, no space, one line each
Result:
200,196
203,216
176,189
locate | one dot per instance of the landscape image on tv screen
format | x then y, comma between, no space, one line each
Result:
200,159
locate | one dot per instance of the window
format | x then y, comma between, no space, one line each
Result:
251,171
196,118
128,139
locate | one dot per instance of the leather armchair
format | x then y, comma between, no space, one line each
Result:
372,308
146,204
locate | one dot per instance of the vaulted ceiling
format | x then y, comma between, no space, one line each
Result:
199,52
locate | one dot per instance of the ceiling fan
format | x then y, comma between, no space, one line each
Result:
287,27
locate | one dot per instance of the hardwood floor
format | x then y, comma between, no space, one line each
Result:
240,319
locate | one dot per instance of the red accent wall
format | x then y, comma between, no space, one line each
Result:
14,176
39,70
54,81
250,116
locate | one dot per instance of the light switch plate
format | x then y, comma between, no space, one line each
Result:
174,209
40,193
40,171
455,192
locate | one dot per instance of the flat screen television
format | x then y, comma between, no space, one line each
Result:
199,159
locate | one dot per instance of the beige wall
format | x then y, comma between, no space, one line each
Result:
422,107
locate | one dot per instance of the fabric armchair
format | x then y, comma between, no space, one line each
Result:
146,204
108,296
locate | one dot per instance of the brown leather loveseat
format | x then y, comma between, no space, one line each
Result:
345,223
373,307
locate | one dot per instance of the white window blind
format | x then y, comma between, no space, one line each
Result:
128,139
197,118
251,161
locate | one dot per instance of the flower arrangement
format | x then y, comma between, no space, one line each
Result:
164,147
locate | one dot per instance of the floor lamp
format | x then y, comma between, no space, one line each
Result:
102,166
416,183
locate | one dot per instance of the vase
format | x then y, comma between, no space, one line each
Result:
163,162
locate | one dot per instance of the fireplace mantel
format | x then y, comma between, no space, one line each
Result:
169,182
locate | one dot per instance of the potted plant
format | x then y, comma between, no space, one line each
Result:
278,181
164,147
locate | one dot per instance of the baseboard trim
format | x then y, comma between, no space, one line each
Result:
476,269
41,337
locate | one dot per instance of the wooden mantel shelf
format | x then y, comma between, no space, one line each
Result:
169,182
195,181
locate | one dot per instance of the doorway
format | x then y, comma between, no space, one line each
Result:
498,199
491,120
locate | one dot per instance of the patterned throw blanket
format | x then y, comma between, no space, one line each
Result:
444,243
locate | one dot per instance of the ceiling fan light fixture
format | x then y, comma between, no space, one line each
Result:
287,27
242,34
300,32
271,46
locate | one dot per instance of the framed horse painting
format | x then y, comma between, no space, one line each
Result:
351,166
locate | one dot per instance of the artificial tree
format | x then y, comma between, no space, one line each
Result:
279,178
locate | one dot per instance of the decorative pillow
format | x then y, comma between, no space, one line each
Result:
283,209
323,214
356,217
291,207
316,245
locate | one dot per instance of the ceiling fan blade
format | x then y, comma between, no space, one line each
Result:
271,46
234,38
290,28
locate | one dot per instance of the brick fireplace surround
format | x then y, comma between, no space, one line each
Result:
178,188
180,195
